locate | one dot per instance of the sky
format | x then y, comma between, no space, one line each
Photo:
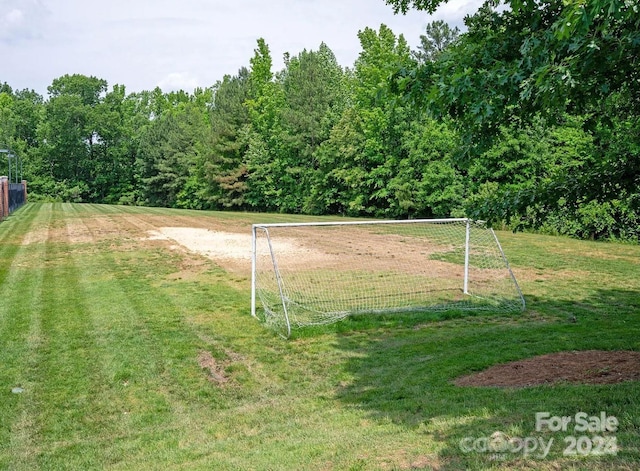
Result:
183,44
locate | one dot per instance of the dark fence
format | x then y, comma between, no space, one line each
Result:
17,196
12,196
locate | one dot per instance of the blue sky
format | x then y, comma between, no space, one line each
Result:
184,43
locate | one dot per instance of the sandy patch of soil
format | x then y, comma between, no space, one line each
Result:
584,367
217,244
231,250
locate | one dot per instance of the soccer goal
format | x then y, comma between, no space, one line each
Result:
316,273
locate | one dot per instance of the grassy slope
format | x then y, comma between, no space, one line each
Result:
104,339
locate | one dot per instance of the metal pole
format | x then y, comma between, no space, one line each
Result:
253,271
466,258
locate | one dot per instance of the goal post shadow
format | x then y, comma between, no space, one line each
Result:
318,273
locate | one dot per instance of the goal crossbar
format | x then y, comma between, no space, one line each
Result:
360,223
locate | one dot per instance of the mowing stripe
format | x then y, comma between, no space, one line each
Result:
20,339
124,361
12,233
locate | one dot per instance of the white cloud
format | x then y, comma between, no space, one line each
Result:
178,81
144,43
14,16
21,20
454,11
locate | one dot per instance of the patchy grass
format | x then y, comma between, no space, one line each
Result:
136,355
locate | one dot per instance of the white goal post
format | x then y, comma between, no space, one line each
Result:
319,272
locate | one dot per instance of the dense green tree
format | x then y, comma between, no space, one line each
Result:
357,173
8,120
314,97
28,107
71,142
266,99
336,189
223,164
167,157
87,138
115,153
427,181
20,116
529,176
89,90
524,162
438,36
544,59
162,153
533,57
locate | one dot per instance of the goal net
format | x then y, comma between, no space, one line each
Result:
316,273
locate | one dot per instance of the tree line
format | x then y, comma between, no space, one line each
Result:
481,124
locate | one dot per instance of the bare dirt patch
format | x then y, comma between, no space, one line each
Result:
215,371
584,367
218,244
231,250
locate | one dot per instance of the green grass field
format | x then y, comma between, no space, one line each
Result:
134,355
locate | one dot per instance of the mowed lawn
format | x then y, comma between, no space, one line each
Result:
121,351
